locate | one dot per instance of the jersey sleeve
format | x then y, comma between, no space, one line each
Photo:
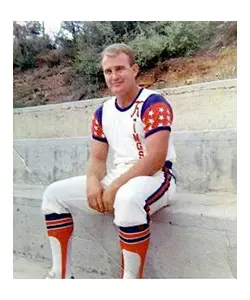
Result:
96,126
156,114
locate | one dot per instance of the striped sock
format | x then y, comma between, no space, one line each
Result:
134,242
60,228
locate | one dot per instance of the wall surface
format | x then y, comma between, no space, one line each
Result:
205,106
206,161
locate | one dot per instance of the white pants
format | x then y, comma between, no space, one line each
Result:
69,196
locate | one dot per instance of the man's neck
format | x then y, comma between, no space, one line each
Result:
128,98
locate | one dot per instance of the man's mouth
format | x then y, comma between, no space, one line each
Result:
117,83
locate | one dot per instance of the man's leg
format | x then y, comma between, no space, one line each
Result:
132,214
60,200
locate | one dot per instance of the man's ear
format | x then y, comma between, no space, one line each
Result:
135,69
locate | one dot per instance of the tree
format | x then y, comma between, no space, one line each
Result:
29,41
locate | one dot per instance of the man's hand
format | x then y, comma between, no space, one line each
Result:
108,197
94,194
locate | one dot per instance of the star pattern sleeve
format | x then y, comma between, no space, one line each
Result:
96,126
157,115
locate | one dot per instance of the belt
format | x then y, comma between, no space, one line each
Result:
168,165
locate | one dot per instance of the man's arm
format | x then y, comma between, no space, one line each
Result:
99,148
97,164
157,147
95,172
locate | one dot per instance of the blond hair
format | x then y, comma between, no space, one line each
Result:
118,48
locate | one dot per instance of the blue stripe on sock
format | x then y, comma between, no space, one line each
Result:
134,229
54,216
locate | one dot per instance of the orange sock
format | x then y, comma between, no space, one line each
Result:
60,227
134,242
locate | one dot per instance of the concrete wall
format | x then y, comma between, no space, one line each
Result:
206,161
205,106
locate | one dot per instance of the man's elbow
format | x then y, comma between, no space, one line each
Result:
158,162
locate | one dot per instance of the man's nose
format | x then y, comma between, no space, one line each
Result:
114,75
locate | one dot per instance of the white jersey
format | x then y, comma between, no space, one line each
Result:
126,129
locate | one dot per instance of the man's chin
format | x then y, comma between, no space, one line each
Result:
117,91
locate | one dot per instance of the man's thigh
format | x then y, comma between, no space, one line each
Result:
144,190
67,195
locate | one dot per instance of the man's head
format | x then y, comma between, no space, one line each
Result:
119,68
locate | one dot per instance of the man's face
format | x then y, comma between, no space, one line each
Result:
119,74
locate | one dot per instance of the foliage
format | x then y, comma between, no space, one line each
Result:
29,40
166,40
81,42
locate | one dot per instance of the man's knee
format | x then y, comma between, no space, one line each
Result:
50,198
128,207
51,191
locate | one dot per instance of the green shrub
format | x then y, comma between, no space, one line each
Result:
87,63
166,40
148,50
27,48
184,38
25,55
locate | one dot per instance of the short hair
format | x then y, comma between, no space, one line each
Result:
118,48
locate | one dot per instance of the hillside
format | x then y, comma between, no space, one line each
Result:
45,85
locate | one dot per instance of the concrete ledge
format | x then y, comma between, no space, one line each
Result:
194,237
205,106
201,207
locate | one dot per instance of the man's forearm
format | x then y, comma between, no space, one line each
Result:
96,168
147,166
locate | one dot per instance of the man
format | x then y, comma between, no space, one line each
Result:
136,125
